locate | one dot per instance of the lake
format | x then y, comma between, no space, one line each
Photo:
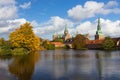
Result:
62,65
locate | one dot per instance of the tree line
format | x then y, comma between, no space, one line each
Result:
79,42
22,41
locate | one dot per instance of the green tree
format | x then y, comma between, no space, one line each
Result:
1,42
79,42
47,45
58,40
50,46
45,42
108,43
5,47
24,37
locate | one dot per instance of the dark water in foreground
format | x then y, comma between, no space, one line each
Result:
62,65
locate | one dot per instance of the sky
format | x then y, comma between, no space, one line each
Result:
49,16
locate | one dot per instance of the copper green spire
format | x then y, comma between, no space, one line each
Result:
55,33
66,30
98,27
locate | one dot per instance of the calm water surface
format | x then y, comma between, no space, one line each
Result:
62,65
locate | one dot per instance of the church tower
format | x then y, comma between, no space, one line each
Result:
66,30
55,36
66,34
99,35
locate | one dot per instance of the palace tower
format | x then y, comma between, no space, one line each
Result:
99,35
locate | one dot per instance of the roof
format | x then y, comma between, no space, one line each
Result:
116,39
94,41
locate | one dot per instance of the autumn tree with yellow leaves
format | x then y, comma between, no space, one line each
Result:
24,37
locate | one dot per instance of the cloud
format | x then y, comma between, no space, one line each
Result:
7,2
10,25
8,13
111,4
8,9
25,5
91,8
109,28
55,24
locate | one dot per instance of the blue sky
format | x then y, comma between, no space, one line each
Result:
42,10
48,16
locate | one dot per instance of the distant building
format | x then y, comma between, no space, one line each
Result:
117,41
64,36
99,35
58,44
90,44
99,38
94,44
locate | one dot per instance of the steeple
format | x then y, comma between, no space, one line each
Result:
66,30
98,27
66,33
99,35
55,33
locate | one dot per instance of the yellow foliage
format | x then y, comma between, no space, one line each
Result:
24,37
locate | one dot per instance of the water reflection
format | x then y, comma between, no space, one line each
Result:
63,65
23,67
107,68
79,65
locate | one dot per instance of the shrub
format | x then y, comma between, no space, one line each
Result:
5,47
5,51
79,42
50,46
108,44
58,40
20,51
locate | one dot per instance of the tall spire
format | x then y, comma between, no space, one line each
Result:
66,30
99,27
99,35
